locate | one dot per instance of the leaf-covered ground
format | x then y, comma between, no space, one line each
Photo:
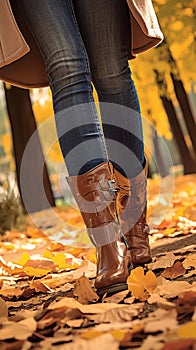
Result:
47,294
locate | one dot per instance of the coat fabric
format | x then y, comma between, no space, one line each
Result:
21,62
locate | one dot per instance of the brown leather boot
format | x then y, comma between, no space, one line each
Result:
131,208
95,193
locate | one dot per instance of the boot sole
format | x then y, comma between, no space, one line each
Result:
118,287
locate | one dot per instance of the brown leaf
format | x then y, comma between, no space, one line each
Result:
163,262
85,309
176,270
118,315
171,289
84,292
11,293
161,302
186,303
50,317
181,344
115,298
41,263
19,330
190,261
40,287
3,309
75,323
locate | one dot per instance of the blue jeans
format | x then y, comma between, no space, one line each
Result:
85,41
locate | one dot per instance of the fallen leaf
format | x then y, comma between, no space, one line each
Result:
120,334
63,263
176,270
186,303
171,289
23,260
134,326
106,341
190,274
31,271
40,287
163,262
84,292
187,330
152,343
115,298
181,344
34,232
169,231
3,309
91,334
138,283
190,261
118,315
160,320
85,309
51,343
75,323
11,293
41,263
167,224
160,301
129,300
18,330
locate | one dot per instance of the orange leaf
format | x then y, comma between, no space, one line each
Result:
31,271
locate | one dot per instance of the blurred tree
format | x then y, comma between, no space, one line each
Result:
187,161
23,126
166,74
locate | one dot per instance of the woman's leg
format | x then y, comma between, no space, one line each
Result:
105,28
54,27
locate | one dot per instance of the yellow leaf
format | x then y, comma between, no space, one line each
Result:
134,282
23,260
169,231
119,334
187,331
63,263
150,281
59,260
91,334
138,283
31,271
47,254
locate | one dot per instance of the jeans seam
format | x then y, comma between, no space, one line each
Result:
89,83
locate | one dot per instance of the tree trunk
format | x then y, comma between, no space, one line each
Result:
159,157
32,177
186,109
188,163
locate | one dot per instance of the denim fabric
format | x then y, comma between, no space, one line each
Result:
84,41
